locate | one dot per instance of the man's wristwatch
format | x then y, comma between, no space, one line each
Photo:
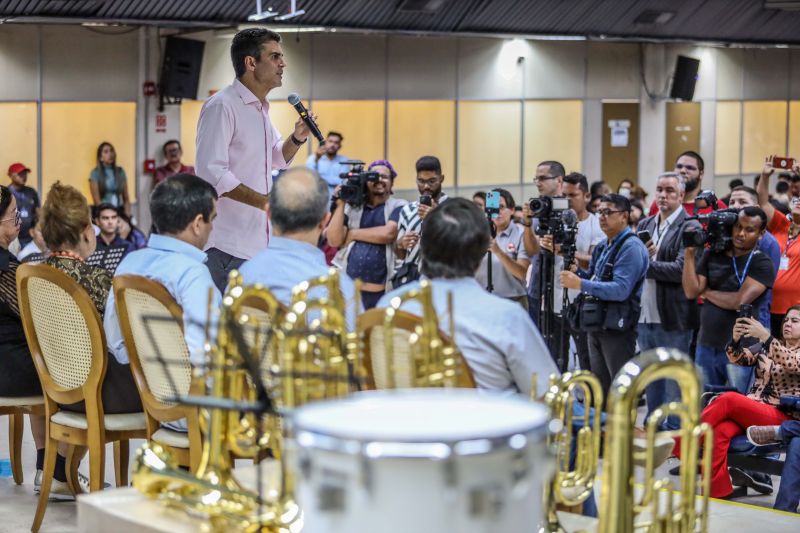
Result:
296,141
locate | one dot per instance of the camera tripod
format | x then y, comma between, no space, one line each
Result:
557,341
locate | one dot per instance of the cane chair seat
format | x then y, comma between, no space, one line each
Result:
120,422
21,401
170,437
151,322
68,345
404,371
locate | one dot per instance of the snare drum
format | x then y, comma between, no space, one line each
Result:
422,461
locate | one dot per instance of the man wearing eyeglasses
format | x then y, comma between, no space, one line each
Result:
172,156
409,228
613,285
691,167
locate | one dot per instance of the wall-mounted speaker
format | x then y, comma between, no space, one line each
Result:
685,78
180,72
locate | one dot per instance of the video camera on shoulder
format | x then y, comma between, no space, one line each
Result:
718,225
354,186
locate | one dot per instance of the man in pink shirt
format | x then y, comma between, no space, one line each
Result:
237,148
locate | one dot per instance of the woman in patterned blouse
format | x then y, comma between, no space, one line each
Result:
777,373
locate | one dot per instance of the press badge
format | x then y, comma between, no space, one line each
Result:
784,263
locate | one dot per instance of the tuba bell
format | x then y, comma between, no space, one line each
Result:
658,508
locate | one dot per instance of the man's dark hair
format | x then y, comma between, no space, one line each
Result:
785,176
749,190
701,165
429,163
594,190
455,237
294,207
177,200
335,134
619,202
735,183
795,178
248,43
5,199
754,211
782,187
506,196
576,178
99,208
479,194
171,141
780,206
556,168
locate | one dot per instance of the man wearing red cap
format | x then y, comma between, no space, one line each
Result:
27,200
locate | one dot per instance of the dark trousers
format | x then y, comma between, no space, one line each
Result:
581,346
118,391
220,264
789,492
370,299
608,352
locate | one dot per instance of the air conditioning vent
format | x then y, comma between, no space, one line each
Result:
420,6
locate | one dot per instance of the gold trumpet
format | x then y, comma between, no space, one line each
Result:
658,509
432,360
573,482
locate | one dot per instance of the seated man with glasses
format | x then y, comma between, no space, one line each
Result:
172,155
613,288
691,167
365,234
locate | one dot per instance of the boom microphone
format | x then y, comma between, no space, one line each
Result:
303,112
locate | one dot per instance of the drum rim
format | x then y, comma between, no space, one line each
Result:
412,448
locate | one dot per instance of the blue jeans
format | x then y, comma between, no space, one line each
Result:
739,377
663,391
718,371
789,493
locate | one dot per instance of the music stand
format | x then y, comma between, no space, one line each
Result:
108,258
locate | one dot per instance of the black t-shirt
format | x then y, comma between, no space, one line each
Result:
716,324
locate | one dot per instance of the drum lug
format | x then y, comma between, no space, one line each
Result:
486,501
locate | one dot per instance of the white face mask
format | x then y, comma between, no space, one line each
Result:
625,192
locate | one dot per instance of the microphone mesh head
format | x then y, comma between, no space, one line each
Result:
293,99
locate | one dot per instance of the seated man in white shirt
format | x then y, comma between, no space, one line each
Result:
298,212
183,208
499,341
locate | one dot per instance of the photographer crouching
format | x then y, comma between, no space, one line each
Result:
364,227
731,272
609,303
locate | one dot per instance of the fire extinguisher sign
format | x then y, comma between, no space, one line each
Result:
161,123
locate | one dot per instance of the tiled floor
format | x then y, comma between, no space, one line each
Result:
18,503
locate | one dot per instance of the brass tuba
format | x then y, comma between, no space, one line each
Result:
572,484
431,359
657,509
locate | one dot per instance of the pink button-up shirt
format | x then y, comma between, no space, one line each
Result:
237,144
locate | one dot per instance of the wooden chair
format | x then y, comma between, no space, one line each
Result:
371,324
151,322
68,345
16,409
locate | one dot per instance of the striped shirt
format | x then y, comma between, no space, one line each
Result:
411,221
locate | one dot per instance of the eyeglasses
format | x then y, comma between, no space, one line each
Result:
16,218
430,183
605,212
687,167
539,179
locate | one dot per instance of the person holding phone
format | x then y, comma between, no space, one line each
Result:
777,371
510,261
668,317
409,228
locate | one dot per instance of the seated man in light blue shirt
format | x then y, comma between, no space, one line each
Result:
298,212
498,339
183,208
327,162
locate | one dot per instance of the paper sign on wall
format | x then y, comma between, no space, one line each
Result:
619,137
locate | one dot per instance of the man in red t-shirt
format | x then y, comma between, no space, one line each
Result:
786,291
691,166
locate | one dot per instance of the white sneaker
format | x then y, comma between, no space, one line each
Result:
37,481
59,489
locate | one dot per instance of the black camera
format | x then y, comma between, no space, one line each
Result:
354,189
718,225
556,219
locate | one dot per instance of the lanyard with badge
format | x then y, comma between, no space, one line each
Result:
741,278
784,263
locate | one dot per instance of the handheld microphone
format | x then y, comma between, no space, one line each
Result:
303,112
